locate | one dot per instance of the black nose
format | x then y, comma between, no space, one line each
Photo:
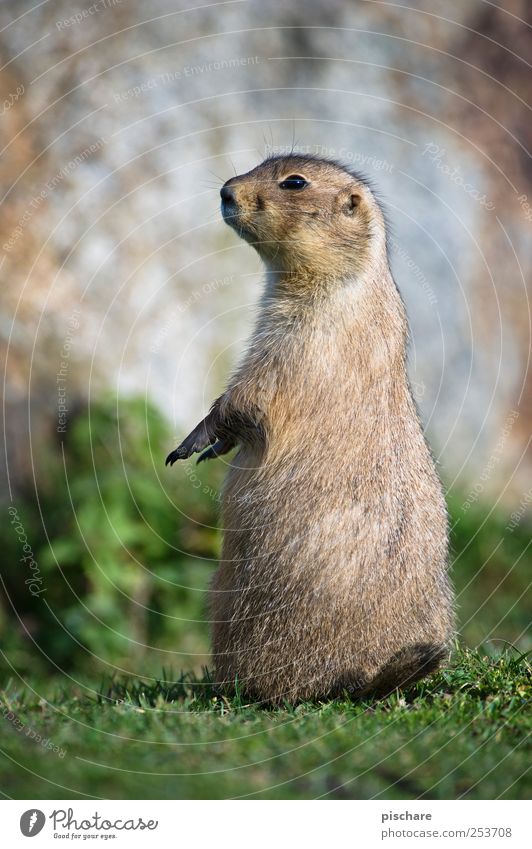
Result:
227,194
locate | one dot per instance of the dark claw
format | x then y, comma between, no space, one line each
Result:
216,450
211,453
179,453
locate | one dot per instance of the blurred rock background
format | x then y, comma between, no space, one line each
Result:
125,300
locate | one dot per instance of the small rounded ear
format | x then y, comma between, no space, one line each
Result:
349,200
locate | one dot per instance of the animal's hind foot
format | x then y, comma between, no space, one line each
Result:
405,668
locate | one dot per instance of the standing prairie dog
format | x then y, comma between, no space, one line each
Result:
333,575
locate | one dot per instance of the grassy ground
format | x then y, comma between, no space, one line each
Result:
465,732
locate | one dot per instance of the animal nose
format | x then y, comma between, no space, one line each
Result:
227,193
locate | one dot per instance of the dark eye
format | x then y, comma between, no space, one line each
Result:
294,181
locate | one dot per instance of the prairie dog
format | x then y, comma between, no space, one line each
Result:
333,573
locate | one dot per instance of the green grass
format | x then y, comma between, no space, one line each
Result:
464,732
126,575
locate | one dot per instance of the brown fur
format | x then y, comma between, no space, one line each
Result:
333,569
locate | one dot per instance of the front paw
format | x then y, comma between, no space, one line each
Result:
222,446
201,437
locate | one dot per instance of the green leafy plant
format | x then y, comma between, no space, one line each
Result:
125,547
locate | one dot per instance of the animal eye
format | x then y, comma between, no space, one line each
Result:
294,181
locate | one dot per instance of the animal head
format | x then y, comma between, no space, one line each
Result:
306,214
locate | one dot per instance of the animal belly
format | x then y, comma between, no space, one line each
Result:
311,598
